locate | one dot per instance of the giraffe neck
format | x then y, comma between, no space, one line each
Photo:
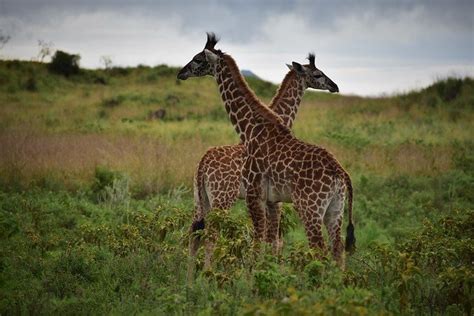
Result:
288,98
243,107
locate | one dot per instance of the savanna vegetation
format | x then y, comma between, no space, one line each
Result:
96,201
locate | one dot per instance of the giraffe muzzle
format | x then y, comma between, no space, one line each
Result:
334,89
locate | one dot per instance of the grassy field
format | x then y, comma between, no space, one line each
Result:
96,200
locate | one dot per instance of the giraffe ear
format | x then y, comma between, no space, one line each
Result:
289,66
298,67
210,56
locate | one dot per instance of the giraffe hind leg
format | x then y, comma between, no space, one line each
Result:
312,218
257,208
333,222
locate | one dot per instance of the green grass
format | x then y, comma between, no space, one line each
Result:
63,252
96,200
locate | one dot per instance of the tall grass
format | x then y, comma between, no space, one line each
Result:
69,161
160,164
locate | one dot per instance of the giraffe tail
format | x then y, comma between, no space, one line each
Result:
350,236
201,203
201,200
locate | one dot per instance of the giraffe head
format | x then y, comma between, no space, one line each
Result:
200,65
312,76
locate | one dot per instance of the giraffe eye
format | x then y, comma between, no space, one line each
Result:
198,59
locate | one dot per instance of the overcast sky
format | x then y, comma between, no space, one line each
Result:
366,47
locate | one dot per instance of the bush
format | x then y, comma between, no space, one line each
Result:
165,71
64,64
269,280
448,89
110,187
314,271
120,71
428,274
457,92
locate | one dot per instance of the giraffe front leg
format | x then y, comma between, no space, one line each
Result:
273,226
255,199
257,209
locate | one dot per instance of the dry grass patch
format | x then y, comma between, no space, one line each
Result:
153,166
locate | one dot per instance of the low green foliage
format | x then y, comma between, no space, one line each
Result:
80,255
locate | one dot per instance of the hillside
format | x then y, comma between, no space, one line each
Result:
248,73
97,107
96,199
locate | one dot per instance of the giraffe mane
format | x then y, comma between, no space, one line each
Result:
259,107
283,87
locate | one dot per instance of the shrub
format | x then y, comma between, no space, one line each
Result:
314,271
429,273
64,64
269,280
120,71
442,251
448,89
234,240
165,71
457,92
288,221
110,187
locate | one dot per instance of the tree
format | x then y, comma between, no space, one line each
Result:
106,61
4,38
45,49
64,64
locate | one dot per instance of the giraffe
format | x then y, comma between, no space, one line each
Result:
277,166
217,180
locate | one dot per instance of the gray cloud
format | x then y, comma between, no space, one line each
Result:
239,20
